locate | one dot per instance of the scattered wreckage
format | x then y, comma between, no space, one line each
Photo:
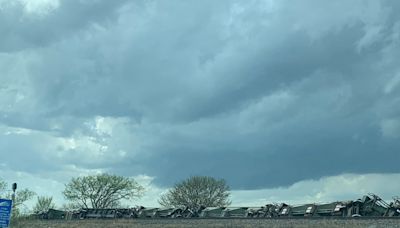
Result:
369,206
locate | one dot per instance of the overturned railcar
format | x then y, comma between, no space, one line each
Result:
368,206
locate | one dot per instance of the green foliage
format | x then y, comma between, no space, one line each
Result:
197,191
43,204
101,191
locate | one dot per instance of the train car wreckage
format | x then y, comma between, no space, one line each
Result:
369,206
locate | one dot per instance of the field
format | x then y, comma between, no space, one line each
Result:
170,223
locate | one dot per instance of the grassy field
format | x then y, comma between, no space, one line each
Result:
274,223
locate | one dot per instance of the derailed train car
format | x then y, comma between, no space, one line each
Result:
369,206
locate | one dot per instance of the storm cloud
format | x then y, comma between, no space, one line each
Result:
262,93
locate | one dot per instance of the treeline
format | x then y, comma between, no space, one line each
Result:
110,191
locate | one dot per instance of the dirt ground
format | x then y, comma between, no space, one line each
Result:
170,223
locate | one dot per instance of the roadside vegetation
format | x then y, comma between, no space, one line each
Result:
102,191
215,223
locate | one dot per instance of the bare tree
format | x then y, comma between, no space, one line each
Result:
43,204
21,197
3,186
70,206
101,191
197,191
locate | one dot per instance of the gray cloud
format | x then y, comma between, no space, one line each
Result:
23,28
261,93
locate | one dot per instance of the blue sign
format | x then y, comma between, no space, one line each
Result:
5,212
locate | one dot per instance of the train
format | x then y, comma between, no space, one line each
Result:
369,205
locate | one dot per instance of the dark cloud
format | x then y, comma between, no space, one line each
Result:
23,30
261,93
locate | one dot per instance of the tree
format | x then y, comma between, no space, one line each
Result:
197,191
43,204
70,206
101,191
21,196
3,186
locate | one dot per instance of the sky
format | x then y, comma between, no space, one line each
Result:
286,100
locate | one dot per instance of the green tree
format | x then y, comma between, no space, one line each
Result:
43,204
101,191
197,191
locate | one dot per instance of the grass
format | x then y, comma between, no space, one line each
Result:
180,223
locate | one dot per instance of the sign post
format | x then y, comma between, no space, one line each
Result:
5,212
6,206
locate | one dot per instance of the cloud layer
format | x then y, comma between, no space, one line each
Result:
262,93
